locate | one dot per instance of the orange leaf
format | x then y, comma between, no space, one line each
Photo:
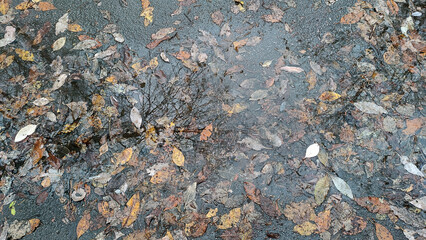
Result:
393,7
329,96
182,55
46,6
352,17
83,225
124,156
104,210
160,177
178,157
34,223
74,27
24,5
252,192
4,6
413,126
145,4
323,221
206,133
134,206
382,233
38,150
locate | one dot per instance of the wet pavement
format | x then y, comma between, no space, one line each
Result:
204,123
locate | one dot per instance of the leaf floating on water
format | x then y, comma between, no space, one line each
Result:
370,108
342,186
312,150
136,117
58,44
83,225
133,206
178,157
321,189
25,132
382,233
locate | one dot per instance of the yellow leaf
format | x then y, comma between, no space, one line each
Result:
321,189
329,96
227,220
83,225
305,229
211,213
112,79
24,5
46,6
70,127
4,6
74,27
24,55
124,156
134,206
178,157
160,177
145,4
153,63
5,61
34,223
148,15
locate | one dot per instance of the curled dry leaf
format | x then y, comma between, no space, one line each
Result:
312,150
25,132
374,204
9,36
78,195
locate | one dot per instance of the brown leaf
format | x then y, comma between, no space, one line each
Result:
329,96
234,69
38,150
276,16
269,207
41,198
374,204
182,55
357,225
197,227
46,6
105,210
41,33
206,133
240,43
155,43
352,17
299,212
323,221
382,233
311,78
83,225
171,202
133,205
54,161
252,192
124,156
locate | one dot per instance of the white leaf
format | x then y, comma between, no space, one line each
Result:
62,24
410,167
78,195
292,69
420,203
9,36
312,150
51,116
370,108
251,143
136,117
342,186
259,94
25,132
58,44
118,37
59,81
86,44
41,101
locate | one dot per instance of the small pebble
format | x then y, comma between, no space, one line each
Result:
416,14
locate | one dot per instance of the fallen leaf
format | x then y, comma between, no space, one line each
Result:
24,5
25,55
292,69
312,150
276,16
58,44
311,78
217,17
62,24
305,229
370,108
38,150
162,176
34,223
352,17
78,195
74,27
382,233
160,34
357,224
321,189
230,219
252,192
323,221
270,207
5,61
178,157
300,212
133,205
258,95
212,212
25,132
240,43
46,6
206,133
374,204
60,80
147,13
420,203
329,96
9,36
136,117
342,186
393,7
83,225
234,69
412,126
4,6
123,157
